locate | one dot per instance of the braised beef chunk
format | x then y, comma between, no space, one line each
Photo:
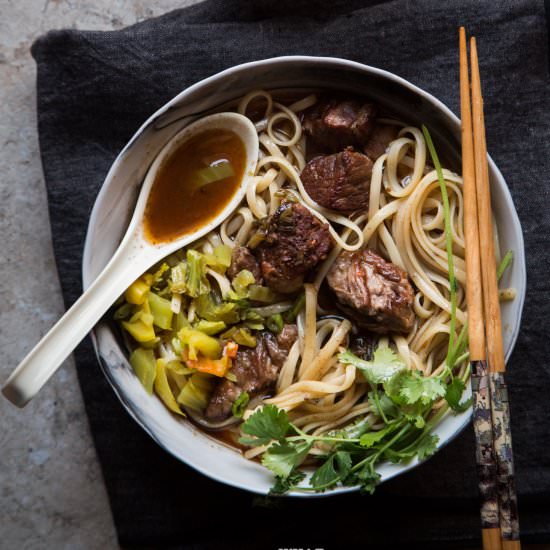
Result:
279,347
340,181
333,124
242,258
287,337
382,135
256,370
373,291
295,242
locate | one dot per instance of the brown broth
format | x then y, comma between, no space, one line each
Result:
176,206
227,437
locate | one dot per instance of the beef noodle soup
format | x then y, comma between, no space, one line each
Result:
323,323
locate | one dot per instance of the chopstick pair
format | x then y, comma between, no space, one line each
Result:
494,458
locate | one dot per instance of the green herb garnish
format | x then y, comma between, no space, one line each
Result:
239,406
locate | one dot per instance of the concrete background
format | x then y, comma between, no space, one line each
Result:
51,490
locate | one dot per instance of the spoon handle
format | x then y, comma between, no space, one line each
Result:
46,357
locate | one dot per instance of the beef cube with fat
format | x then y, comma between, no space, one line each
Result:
382,135
374,292
333,124
340,181
256,370
295,242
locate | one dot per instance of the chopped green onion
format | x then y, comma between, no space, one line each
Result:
448,241
299,304
274,323
504,263
239,406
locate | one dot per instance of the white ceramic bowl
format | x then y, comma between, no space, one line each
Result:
117,198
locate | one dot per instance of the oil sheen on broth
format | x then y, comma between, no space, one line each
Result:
180,201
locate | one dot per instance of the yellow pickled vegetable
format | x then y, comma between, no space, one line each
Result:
140,325
143,363
196,393
161,309
181,321
139,330
137,292
150,344
241,335
242,281
178,373
163,388
198,342
210,327
223,255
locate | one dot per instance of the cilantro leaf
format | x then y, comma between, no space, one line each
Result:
417,420
424,389
266,424
336,467
427,446
414,414
282,458
282,485
239,406
368,477
399,456
453,395
384,406
353,430
384,365
370,439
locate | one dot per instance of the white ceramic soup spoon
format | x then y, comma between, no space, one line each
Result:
133,257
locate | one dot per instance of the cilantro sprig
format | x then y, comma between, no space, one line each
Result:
403,399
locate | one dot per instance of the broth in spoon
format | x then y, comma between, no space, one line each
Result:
194,185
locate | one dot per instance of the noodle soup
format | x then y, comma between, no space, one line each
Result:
323,323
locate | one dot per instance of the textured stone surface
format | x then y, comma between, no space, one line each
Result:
51,490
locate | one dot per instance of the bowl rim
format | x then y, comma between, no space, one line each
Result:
341,63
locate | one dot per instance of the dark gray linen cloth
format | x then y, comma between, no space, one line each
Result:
96,88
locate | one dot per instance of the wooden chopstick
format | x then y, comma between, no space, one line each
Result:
485,455
500,412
